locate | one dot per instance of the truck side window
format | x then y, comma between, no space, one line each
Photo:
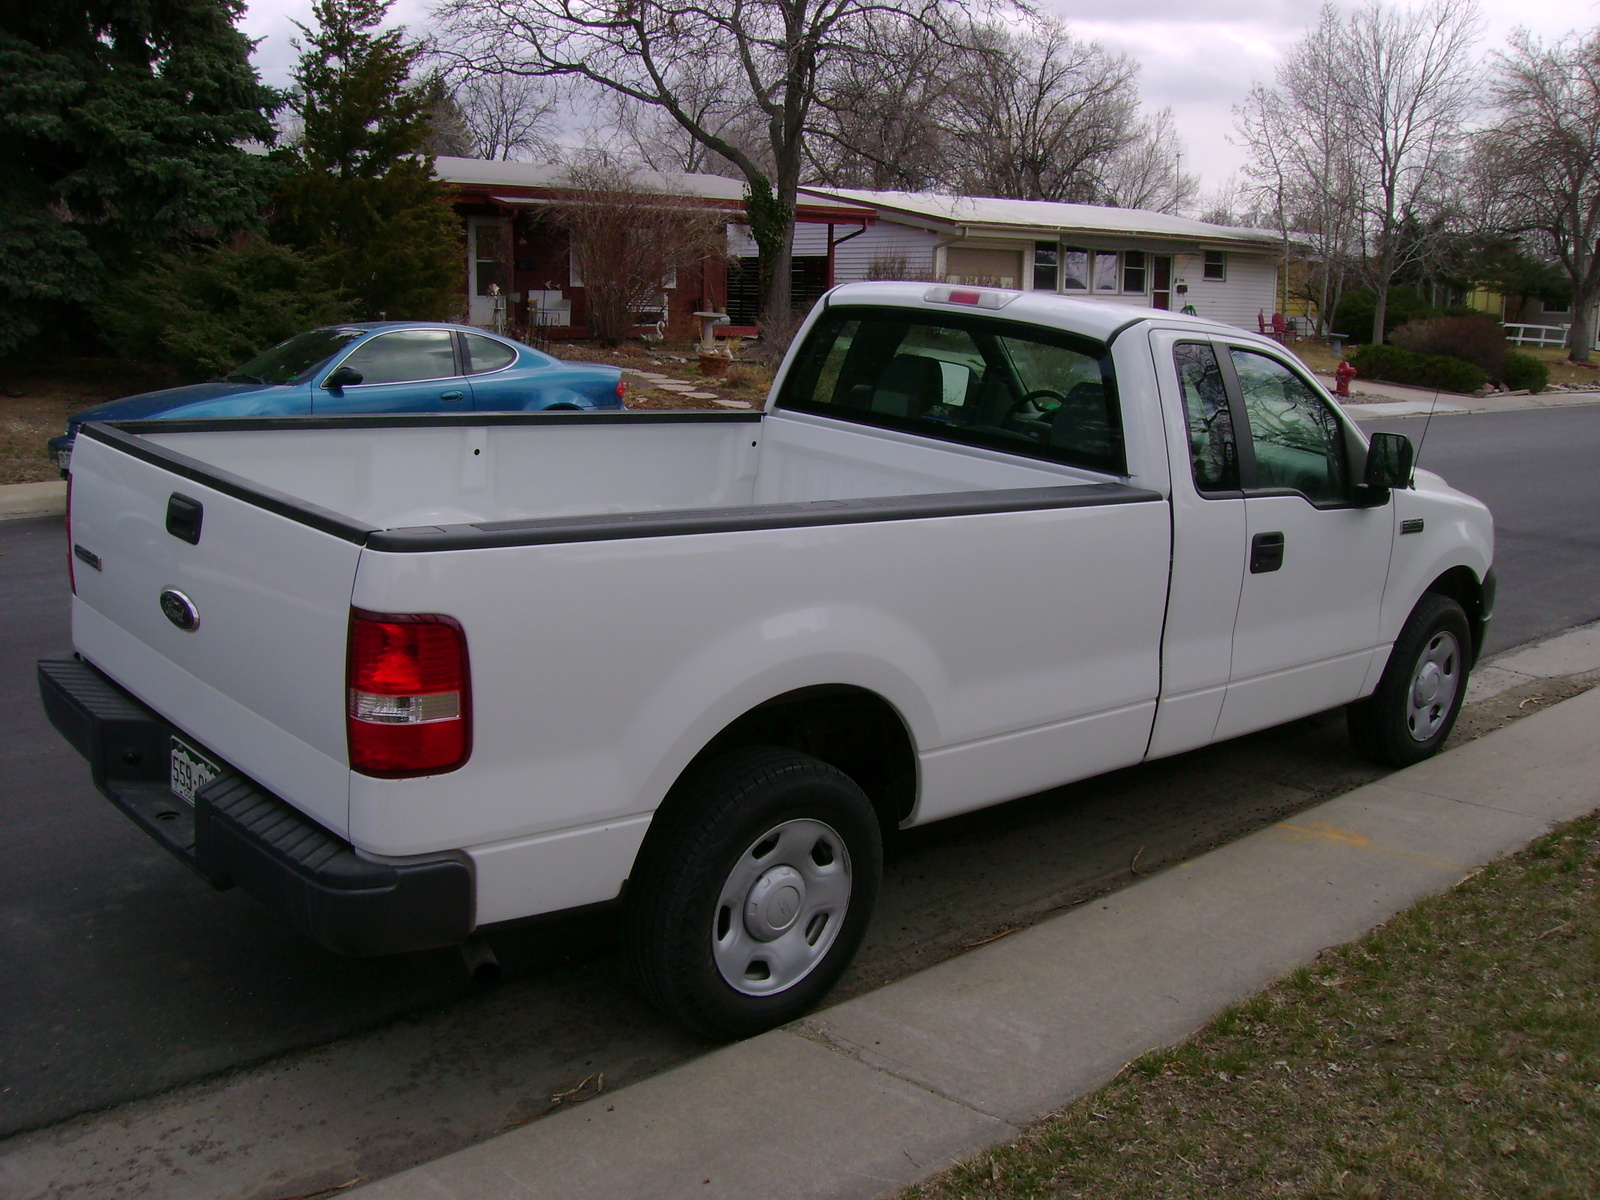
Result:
1298,441
1212,451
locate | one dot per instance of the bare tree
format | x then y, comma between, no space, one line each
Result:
1408,87
1539,165
647,50
508,117
1302,173
1147,172
1354,146
626,241
881,116
1038,114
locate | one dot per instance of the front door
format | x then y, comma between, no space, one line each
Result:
488,271
1316,562
1161,281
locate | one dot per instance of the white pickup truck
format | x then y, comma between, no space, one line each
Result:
407,677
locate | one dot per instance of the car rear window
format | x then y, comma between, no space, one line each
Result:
486,354
1000,384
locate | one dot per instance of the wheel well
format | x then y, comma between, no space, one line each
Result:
1462,586
850,728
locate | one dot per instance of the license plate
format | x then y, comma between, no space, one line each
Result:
191,770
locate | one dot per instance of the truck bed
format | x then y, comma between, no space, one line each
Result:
388,473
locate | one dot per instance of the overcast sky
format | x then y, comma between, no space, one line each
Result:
1199,56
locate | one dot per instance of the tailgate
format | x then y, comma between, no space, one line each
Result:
258,681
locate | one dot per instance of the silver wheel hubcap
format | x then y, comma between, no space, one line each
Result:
781,907
1434,684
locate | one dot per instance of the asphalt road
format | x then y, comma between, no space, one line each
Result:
125,976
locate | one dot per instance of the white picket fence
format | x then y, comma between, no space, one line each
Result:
1541,335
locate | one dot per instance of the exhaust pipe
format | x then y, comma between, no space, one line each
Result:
480,961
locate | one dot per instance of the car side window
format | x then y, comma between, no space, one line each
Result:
1213,452
1298,441
486,354
404,356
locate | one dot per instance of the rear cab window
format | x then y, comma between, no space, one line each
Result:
1003,385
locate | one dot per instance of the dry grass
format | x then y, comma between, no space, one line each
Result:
1454,1052
37,398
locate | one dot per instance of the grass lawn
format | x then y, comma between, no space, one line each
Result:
1453,1052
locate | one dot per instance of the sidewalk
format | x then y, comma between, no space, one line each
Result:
1370,399
33,499
867,1097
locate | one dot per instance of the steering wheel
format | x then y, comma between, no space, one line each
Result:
1030,414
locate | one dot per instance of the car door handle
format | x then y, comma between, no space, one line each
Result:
1266,552
449,395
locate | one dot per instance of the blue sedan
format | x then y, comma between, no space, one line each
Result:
374,366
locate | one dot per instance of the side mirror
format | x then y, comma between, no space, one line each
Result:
1389,460
342,378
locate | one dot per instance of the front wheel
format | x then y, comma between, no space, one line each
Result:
753,892
1415,705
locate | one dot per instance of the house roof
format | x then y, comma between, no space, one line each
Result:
1020,218
504,179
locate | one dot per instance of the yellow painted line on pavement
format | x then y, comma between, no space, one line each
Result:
1316,831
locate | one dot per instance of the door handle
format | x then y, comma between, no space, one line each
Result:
1266,552
449,395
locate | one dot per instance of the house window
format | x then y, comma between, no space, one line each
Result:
1216,268
1046,258
1133,272
1105,271
1555,306
1074,270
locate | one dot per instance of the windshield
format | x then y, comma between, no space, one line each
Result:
292,361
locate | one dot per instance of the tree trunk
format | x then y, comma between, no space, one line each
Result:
772,227
1581,337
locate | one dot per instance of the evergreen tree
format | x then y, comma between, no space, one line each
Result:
362,196
122,126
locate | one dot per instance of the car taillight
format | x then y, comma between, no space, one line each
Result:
409,694
622,388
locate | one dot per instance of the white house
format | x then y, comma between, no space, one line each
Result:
1114,255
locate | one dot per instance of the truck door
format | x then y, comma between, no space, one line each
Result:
1208,543
1316,560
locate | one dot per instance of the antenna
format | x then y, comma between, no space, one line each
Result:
1423,440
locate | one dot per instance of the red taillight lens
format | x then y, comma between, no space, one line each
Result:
409,695
622,388
960,297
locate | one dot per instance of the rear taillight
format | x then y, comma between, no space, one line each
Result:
622,389
409,694
72,575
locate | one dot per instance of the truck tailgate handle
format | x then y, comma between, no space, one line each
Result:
183,518
1266,552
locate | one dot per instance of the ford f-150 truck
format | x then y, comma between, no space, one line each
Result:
404,678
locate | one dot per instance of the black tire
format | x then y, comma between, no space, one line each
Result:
1387,726
677,919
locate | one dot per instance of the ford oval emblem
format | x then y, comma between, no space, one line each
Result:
180,610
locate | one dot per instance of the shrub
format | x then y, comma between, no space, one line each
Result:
1524,371
1477,339
1353,317
206,311
1396,365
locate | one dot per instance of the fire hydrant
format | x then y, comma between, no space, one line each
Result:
1342,376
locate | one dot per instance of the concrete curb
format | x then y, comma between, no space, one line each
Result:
868,1097
33,499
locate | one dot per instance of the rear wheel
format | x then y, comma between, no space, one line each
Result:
753,892
1415,705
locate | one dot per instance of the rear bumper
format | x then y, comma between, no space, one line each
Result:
238,833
